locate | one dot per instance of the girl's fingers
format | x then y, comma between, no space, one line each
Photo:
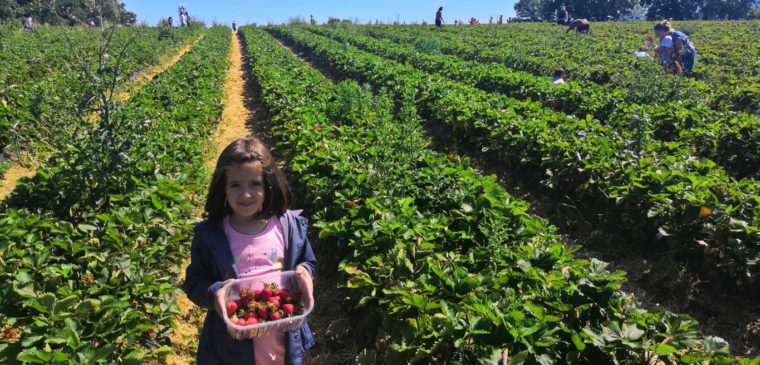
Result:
306,285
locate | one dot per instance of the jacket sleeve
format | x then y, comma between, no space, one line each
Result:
200,284
306,257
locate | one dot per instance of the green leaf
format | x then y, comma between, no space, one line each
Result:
65,303
664,349
34,356
577,341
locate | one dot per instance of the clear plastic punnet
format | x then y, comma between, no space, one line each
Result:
284,279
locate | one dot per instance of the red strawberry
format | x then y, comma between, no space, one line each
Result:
251,321
274,315
241,322
257,293
266,293
248,315
232,307
275,301
286,296
287,309
262,312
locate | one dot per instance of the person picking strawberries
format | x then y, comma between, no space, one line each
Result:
248,232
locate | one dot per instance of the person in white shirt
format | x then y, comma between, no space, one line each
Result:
559,76
27,22
666,53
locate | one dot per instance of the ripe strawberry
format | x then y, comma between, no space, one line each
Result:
10,333
241,322
274,315
266,293
262,312
287,309
251,321
275,301
286,296
232,307
248,315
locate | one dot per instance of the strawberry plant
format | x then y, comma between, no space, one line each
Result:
442,263
51,77
653,187
92,244
728,138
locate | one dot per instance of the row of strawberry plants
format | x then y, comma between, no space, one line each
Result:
732,89
644,187
727,50
91,246
643,81
732,140
46,104
443,264
52,50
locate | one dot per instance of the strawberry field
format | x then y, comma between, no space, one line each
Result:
437,260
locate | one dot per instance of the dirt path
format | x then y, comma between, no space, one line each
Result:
144,76
26,166
235,117
297,55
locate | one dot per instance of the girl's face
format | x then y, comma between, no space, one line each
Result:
245,189
660,33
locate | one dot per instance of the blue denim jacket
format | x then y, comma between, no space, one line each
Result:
211,263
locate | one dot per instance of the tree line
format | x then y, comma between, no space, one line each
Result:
67,12
651,9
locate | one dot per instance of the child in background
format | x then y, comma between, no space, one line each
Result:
559,76
248,231
666,53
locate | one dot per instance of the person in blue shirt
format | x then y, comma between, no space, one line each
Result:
684,51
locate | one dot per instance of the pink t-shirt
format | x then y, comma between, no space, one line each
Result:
257,254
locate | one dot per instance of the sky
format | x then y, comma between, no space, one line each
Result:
278,11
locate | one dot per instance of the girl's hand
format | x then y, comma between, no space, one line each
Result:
306,284
219,300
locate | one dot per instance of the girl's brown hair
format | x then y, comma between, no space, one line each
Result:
240,151
663,26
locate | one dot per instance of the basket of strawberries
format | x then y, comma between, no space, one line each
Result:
269,303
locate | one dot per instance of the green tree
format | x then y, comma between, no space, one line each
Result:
698,9
726,9
589,9
531,9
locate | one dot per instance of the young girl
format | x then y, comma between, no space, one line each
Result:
248,232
